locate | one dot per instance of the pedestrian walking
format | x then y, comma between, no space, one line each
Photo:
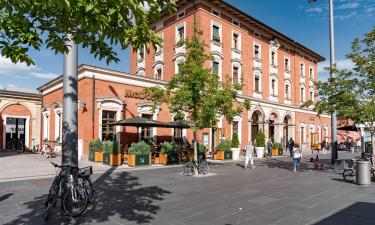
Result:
269,147
352,146
323,146
291,146
297,157
249,155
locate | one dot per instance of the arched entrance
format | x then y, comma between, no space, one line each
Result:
287,134
256,122
271,126
16,127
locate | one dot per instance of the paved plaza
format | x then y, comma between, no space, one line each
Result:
270,194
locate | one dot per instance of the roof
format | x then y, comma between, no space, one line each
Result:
232,10
20,95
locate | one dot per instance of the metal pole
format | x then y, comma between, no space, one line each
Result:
70,106
332,62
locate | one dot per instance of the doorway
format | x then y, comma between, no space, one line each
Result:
15,130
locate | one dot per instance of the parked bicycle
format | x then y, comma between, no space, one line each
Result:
349,174
48,150
77,196
201,166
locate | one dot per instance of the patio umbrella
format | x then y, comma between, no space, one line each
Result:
348,128
178,124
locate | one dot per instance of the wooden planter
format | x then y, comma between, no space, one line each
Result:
281,152
219,155
92,156
112,159
139,160
98,156
163,159
275,152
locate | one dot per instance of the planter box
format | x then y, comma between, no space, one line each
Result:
275,152
219,155
227,155
281,152
139,160
98,156
260,152
172,159
112,159
163,159
92,156
236,153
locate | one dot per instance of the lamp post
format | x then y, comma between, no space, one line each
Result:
331,64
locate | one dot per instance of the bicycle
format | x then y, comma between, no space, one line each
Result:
349,173
48,151
78,194
201,166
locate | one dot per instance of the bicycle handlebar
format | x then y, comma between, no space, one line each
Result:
60,166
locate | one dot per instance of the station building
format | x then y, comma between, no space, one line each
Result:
278,75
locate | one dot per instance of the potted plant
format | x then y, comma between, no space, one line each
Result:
139,154
275,149
260,144
224,150
94,146
97,146
168,153
280,149
235,147
112,155
202,150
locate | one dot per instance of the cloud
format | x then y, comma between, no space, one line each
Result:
351,5
370,9
346,16
341,64
314,10
22,70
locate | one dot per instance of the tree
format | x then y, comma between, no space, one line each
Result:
197,92
95,24
352,93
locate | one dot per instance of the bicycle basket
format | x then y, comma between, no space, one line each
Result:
85,171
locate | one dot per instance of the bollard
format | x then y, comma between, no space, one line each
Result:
363,175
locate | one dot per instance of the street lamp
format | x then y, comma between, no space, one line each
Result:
332,61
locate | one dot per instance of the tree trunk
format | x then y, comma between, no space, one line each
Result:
195,143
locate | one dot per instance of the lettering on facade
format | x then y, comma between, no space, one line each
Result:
137,94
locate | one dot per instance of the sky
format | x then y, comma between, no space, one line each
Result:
306,23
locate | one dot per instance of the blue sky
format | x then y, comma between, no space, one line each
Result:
307,23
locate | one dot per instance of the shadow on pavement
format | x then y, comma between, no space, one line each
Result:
119,197
2,198
359,213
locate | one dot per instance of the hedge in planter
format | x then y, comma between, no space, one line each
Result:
168,153
112,155
202,150
260,144
139,154
224,150
96,151
275,148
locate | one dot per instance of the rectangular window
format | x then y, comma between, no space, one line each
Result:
108,131
158,74
286,64
216,33
141,53
273,58
235,75
273,86
311,96
311,73
235,127
181,33
302,69
287,91
205,139
256,52
146,132
215,68
302,94
256,83
235,41
302,135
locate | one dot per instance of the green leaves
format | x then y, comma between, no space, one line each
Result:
95,24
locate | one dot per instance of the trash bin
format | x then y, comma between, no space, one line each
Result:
363,175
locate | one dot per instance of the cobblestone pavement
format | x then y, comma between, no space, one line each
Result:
270,194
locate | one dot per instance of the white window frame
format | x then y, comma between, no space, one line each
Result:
313,93
303,93
177,33
58,123
214,23
139,58
159,49
289,83
303,69
287,69
239,46
110,104
311,76
260,50
179,59
237,65
46,123
159,66
220,66
238,119
259,74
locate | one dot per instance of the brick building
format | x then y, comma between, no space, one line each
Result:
278,75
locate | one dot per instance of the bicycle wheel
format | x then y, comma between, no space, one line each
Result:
189,169
75,201
203,167
53,194
87,184
349,175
